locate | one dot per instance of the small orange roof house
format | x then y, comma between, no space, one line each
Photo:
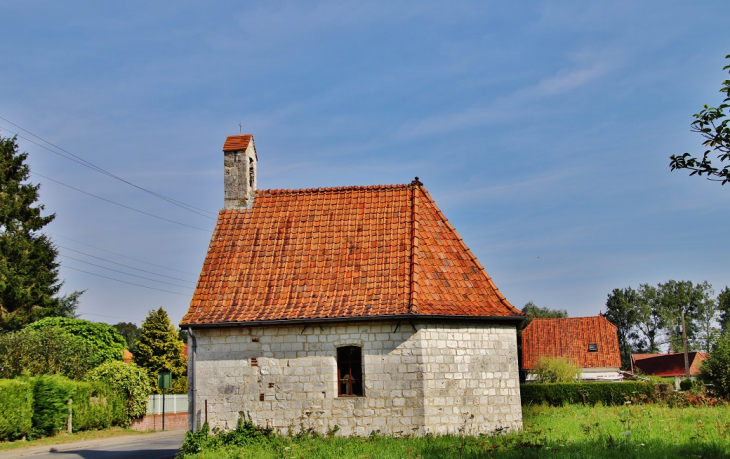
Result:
668,365
358,307
590,342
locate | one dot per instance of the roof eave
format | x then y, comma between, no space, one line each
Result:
450,318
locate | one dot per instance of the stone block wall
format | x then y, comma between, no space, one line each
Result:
419,377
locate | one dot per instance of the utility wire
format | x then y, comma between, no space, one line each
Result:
126,274
83,162
118,254
125,282
118,204
126,266
100,315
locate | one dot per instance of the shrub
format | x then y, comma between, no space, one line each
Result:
556,370
50,404
16,409
716,369
245,433
179,386
103,342
130,381
606,393
37,352
685,384
96,406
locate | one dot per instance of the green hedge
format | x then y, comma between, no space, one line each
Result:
96,406
39,406
50,404
607,393
16,408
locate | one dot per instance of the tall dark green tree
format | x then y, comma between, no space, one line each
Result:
29,282
650,320
533,311
159,347
622,310
130,332
675,296
723,304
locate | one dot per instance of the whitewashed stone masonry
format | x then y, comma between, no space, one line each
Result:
419,377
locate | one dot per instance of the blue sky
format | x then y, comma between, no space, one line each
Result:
541,129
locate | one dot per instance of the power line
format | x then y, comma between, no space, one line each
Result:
125,282
100,315
119,254
118,204
85,163
126,266
126,274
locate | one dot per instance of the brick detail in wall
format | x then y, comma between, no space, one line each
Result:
174,421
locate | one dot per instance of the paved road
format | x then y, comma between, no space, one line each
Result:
152,446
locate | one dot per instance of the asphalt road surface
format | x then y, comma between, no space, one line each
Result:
152,446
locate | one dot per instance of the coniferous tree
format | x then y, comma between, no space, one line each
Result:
28,268
159,347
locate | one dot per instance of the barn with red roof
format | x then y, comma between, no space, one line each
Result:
358,307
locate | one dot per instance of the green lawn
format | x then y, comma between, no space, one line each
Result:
641,431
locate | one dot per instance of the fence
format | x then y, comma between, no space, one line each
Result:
174,403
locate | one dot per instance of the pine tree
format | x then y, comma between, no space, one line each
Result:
28,268
159,347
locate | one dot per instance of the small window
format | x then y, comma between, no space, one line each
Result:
593,348
250,173
349,371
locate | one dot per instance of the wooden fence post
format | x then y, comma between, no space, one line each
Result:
69,424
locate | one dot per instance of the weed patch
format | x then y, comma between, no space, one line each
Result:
573,431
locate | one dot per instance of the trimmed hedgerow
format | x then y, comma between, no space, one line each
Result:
96,406
16,409
50,404
558,394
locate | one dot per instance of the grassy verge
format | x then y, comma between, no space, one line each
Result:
62,438
645,432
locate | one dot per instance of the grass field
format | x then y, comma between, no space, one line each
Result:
641,431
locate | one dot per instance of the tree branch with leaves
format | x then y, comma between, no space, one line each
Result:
712,124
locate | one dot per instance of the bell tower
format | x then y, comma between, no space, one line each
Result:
239,175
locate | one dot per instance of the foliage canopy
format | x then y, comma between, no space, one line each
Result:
46,351
712,124
28,268
716,368
103,343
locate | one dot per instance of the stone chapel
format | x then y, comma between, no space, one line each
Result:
358,307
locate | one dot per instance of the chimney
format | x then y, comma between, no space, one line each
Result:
239,171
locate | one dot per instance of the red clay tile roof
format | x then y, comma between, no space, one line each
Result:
237,142
668,365
570,338
337,253
643,356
